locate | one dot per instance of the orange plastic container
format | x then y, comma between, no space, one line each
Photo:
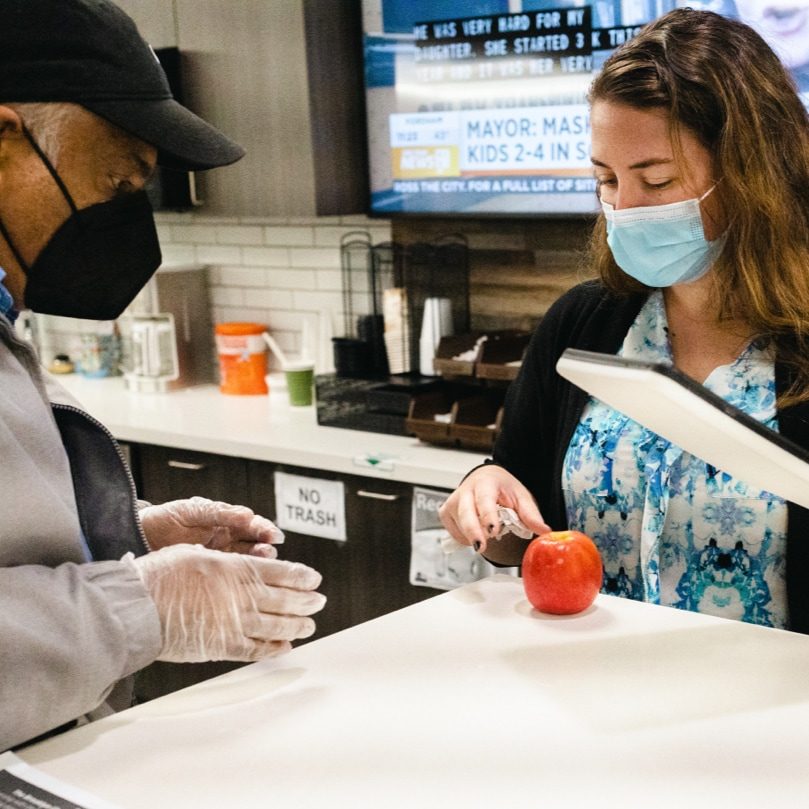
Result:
242,358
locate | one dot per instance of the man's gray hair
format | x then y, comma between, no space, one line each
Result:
47,122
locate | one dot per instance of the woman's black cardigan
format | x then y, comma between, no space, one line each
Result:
543,409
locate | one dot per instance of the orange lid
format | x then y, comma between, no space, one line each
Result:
240,328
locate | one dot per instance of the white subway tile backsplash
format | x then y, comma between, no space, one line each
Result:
264,220
172,217
200,219
271,298
288,340
218,254
196,233
226,314
178,253
266,256
318,300
292,279
240,234
314,257
329,236
288,320
297,236
227,296
243,276
312,220
329,280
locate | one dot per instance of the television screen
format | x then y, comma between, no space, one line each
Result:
478,107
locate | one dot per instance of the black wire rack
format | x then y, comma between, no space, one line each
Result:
385,287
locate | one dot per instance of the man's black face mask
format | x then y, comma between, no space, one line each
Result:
96,261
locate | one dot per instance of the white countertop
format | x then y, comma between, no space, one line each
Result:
264,428
473,699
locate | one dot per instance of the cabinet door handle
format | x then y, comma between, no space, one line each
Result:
191,467
377,495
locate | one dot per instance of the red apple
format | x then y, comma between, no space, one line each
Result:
562,572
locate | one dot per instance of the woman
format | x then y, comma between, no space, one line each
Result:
700,146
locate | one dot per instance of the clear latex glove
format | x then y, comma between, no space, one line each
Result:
221,526
226,606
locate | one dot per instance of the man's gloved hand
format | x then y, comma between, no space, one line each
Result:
224,606
199,521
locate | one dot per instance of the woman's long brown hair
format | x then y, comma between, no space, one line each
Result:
720,80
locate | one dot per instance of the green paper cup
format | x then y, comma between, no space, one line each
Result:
300,377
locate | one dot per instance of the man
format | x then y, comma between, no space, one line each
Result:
93,584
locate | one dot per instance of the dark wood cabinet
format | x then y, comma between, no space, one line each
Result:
379,517
166,473
285,80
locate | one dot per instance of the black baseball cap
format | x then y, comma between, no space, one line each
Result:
89,52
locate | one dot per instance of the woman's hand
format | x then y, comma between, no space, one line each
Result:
470,512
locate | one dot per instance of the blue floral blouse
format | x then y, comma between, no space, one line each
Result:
672,529
6,301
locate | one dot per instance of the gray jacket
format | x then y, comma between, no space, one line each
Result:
70,629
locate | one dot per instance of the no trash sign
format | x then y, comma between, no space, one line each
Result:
310,506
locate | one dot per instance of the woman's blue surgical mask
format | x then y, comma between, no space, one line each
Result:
661,245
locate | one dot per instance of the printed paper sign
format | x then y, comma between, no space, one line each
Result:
24,787
430,566
310,506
